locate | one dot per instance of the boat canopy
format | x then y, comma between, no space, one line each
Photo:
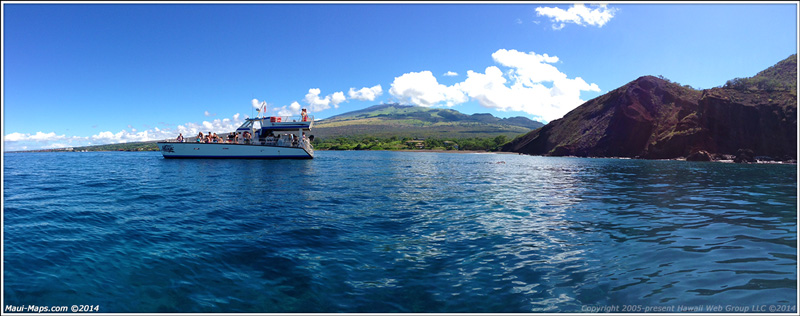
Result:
277,123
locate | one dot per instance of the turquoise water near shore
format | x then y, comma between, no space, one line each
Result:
384,232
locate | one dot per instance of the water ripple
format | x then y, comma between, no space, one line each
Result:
394,232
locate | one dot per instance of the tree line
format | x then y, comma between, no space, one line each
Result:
758,83
402,143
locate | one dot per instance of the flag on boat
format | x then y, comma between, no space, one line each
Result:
263,108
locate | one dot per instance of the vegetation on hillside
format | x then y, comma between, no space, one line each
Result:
780,77
408,143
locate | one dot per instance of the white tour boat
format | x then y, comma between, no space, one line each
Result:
268,137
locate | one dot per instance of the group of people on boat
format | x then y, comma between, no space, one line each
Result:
214,138
233,138
210,138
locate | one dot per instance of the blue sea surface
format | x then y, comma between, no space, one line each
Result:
384,232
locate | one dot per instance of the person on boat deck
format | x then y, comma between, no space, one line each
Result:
180,137
247,137
200,137
216,138
304,115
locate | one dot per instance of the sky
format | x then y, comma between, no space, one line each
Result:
80,74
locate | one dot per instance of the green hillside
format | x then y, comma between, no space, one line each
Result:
780,77
395,120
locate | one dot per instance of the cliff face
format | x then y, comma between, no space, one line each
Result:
622,123
656,119
764,122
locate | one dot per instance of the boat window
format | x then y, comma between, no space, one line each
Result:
257,124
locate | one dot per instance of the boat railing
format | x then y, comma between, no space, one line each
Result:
286,119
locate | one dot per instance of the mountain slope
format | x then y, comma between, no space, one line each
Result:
780,77
657,119
387,120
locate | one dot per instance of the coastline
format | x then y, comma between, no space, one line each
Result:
773,162
435,151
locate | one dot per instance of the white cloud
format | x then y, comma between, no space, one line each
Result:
290,110
295,107
450,74
38,137
316,104
14,137
55,145
366,94
578,14
285,112
422,88
527,92
336,98
528,68
531,84
41,140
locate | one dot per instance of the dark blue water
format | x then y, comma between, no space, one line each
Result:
395,232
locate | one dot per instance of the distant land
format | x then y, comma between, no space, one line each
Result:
653,118
131,146
391,123
396,120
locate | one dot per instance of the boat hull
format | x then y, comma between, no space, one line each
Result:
231,151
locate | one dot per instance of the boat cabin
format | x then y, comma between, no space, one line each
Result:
272,130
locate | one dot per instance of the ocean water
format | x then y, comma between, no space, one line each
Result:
384,232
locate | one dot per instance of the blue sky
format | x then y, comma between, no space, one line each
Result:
81,74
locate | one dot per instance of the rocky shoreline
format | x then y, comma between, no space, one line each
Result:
714,158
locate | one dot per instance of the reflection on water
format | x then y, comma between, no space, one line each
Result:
395,232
